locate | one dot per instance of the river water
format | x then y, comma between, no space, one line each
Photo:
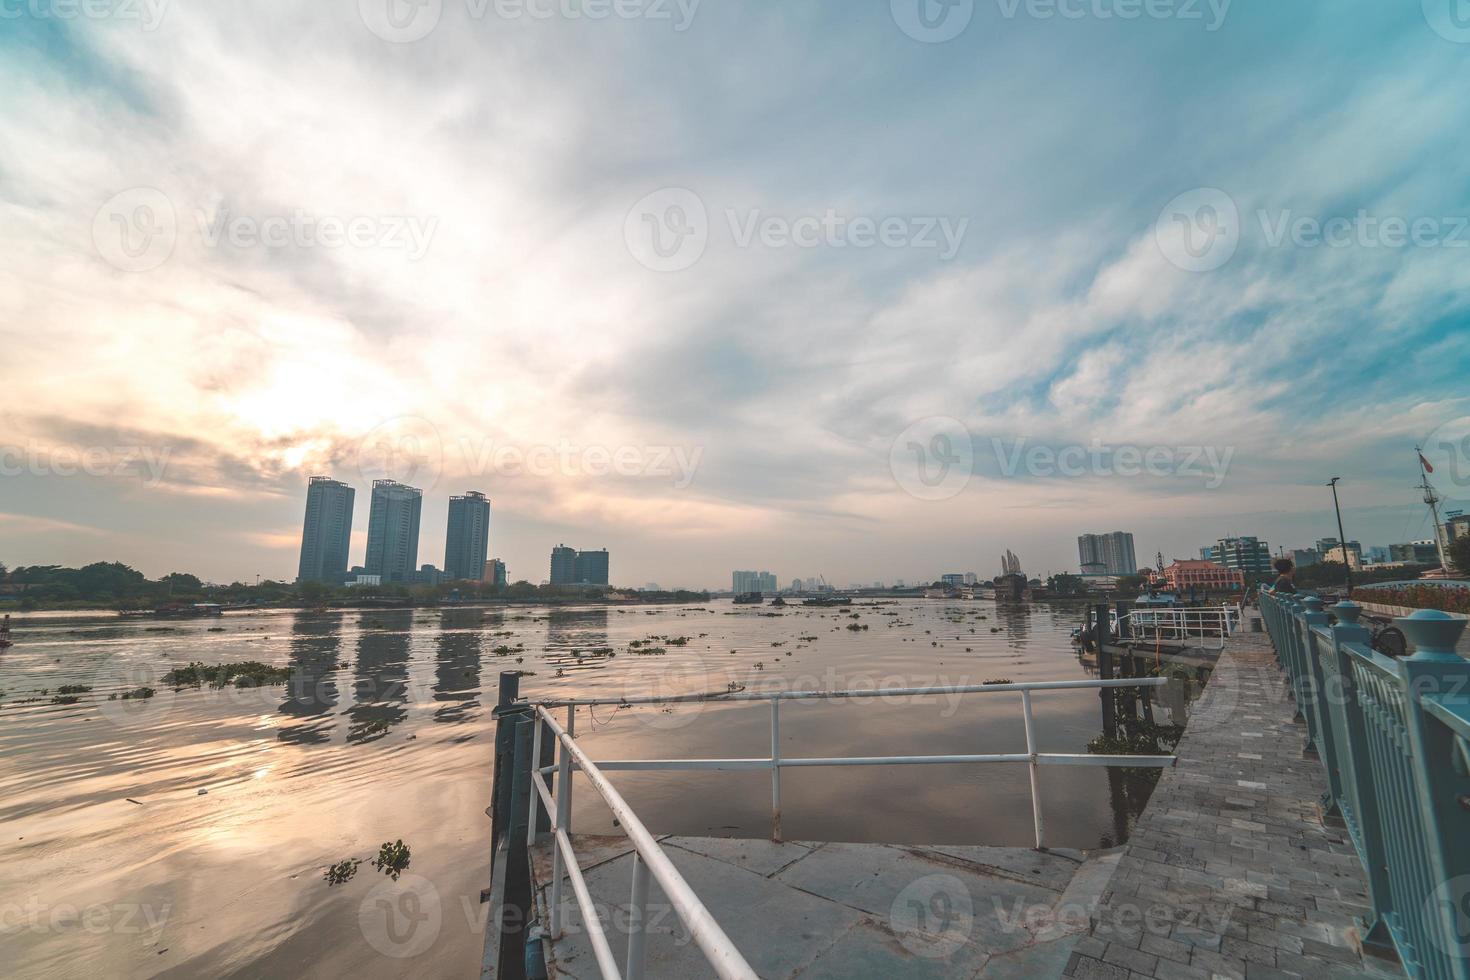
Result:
187,834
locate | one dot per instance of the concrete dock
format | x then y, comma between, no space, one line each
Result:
1231,872
846,911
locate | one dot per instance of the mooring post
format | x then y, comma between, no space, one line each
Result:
514,918
506,712
1105,671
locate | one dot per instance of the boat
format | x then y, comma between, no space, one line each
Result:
778,601
195,610
749,599
5,633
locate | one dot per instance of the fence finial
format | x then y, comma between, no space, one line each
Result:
1433,633
1348,612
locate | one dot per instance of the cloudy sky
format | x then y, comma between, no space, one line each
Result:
874,290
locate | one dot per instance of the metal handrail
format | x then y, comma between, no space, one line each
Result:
900,692
1394,754
1181,619
651,860
649,857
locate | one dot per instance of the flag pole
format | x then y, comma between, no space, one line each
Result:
1432,499
1347,565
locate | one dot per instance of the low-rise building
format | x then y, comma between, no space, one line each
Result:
1189,573
1415,552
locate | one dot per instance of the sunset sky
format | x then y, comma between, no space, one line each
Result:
690,285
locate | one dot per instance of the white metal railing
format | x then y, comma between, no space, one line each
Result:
650,859
1214,623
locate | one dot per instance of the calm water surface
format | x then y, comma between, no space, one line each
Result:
384,733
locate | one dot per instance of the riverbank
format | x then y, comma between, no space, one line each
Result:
1231,870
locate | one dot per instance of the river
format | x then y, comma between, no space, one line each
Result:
187,834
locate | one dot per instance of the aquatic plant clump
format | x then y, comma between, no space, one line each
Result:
251,673
392,859
342,872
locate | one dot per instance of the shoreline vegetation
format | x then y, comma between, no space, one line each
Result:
120,588
116,587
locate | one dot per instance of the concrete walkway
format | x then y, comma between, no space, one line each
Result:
1230,871
845,911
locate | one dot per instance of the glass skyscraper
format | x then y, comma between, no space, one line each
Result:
563,565
591,567
1107,554
467,542
572,567
326,534
393,531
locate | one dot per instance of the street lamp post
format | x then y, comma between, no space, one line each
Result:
1347,566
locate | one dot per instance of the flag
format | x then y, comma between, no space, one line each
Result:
1428,468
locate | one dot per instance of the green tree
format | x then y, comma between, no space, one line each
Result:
1066,584
1459,554
182,583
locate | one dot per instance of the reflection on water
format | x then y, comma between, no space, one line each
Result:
311,694
383,733
380,675
457,664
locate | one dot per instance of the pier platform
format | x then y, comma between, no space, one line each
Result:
1231,871
844,911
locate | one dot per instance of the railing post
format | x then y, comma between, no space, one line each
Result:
563,818
1437,672
1034,767
1355,774
775,769
1309,685
637,920
535,801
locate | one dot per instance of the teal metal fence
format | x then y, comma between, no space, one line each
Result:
1394,738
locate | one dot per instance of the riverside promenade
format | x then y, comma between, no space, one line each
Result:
1245,863
1231,870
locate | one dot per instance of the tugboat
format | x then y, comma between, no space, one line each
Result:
778,601
749,599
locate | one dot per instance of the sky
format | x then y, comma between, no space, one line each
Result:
872,290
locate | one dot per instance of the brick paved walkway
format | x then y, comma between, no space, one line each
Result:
1230,871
